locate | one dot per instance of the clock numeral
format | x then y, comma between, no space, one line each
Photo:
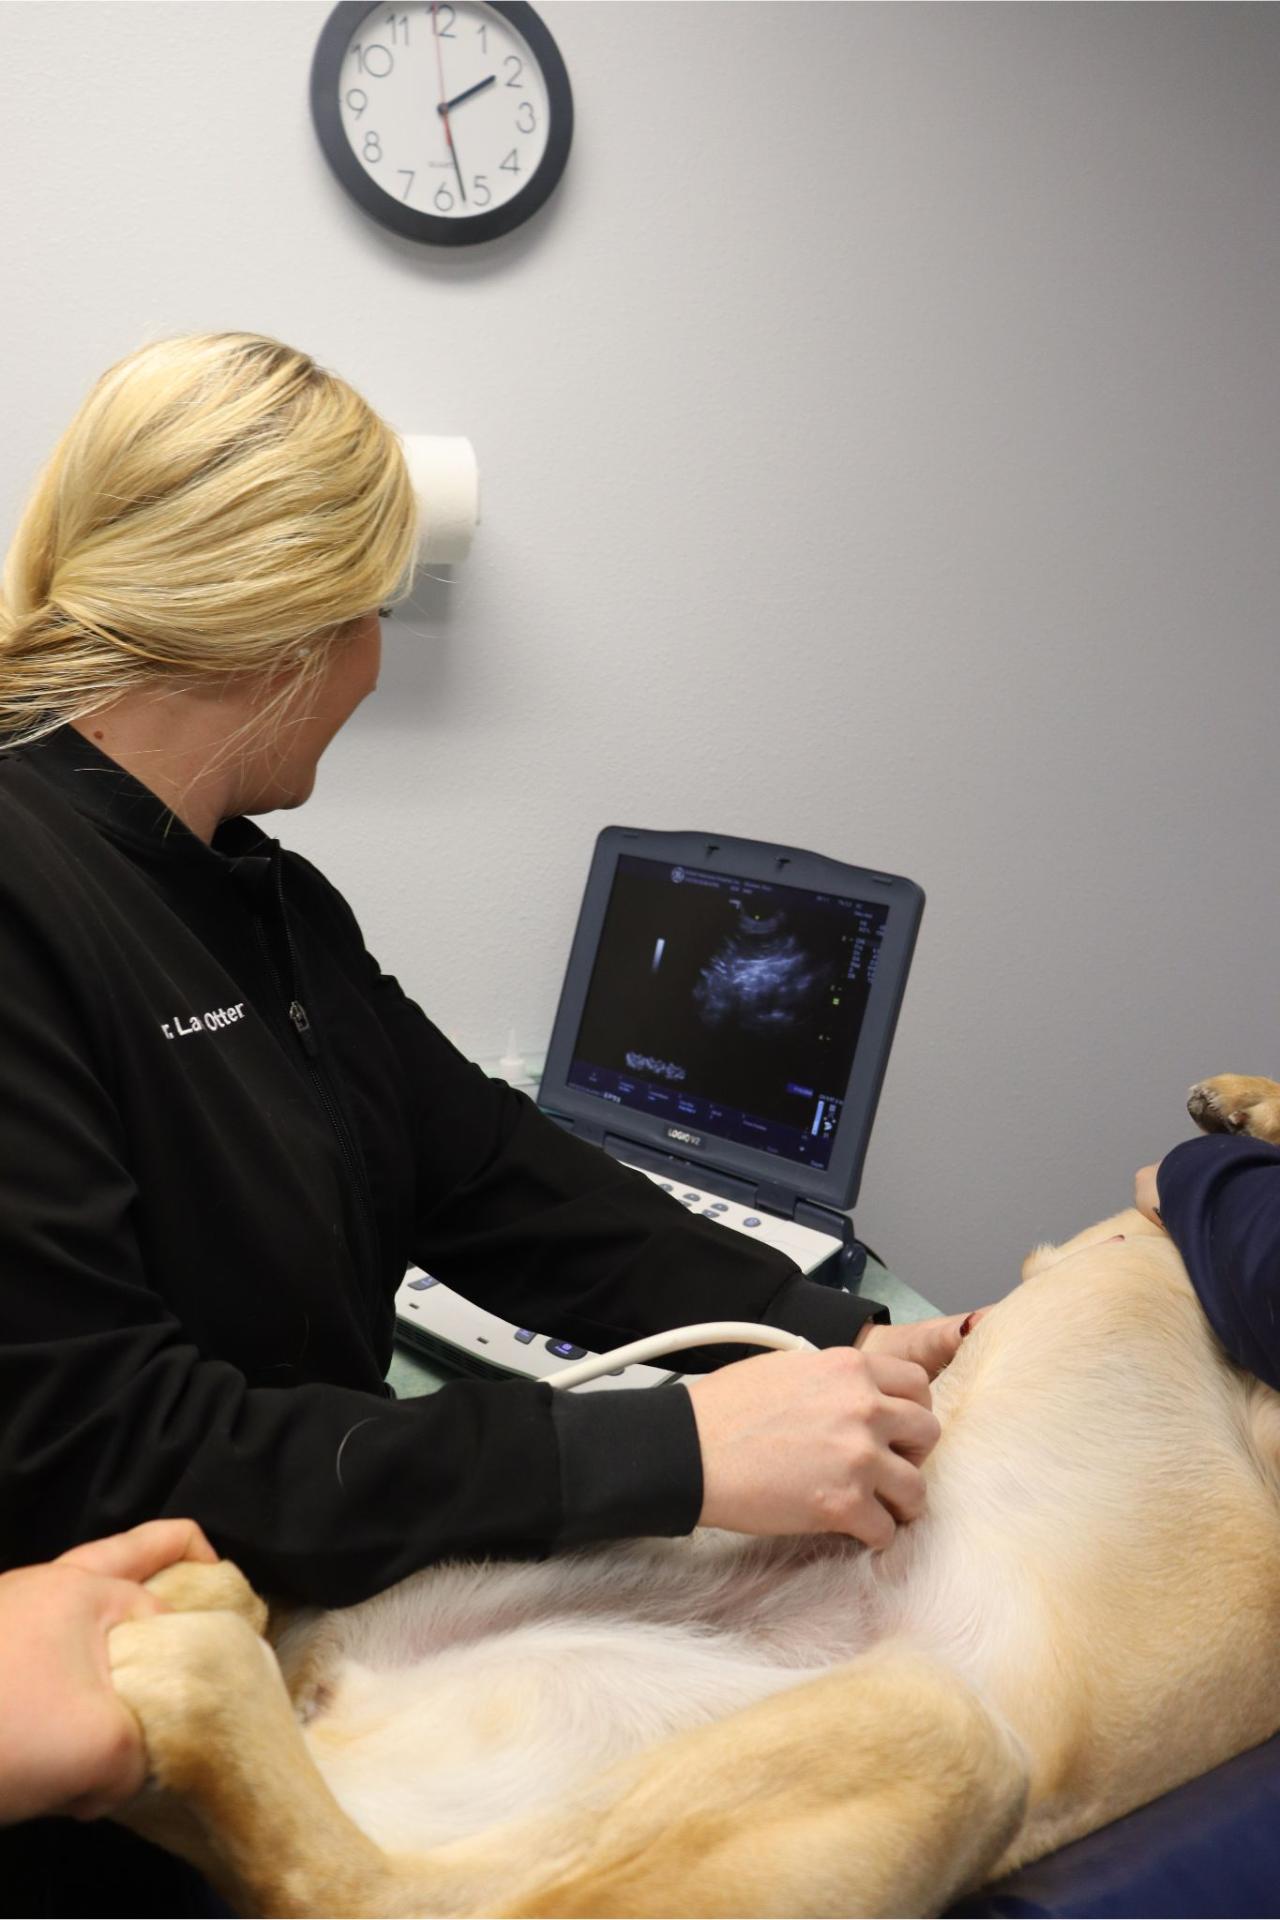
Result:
372,146
512,60
480,186
439,7
398,22
483,31
512,162
357,100
526,119
409,172
442,199
375,59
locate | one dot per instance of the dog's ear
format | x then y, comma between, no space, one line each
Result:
1039,1259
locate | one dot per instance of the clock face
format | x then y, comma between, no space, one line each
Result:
448,122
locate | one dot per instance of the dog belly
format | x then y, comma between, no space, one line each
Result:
433,1754
498,1722
443,1717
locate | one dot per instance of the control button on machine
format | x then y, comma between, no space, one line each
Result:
566,1349
752,1220
416,1286
718,1206
524,1335
712,1212
691,1196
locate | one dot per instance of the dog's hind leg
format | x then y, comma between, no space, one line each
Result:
232,1787
883,1787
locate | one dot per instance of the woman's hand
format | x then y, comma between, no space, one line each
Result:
827,1442
931,1344
1146,1195
68,1744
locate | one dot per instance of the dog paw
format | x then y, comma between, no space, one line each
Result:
185,1678
1237,1103
196,1586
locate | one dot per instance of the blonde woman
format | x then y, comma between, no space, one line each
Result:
224,1131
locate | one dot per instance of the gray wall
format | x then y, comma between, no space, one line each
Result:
880,437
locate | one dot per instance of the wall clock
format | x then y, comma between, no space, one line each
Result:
448,123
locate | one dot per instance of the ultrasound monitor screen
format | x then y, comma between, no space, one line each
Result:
729,1006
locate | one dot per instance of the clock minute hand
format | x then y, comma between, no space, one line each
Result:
447,106
453,155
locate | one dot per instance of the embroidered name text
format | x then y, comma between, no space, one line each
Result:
217,1017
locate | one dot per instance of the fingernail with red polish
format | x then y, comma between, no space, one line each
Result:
966,1325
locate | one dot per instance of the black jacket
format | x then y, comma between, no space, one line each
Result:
1220,1200
224,1133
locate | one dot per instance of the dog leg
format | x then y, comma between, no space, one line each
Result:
1236,1103
232,1787
881,1788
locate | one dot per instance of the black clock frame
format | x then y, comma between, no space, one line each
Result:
326,111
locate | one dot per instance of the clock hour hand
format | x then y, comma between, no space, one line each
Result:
447,106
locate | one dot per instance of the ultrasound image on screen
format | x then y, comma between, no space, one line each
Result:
731,1006
760,979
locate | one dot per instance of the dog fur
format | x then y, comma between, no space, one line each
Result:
1086,1615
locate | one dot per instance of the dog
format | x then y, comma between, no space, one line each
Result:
1086,1615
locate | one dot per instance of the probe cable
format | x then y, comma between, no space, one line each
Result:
707,1333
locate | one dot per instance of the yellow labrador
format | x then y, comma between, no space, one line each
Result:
1087,1614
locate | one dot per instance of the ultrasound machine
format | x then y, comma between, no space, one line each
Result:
723,1028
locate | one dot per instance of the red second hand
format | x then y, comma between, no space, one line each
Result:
435,34
443,110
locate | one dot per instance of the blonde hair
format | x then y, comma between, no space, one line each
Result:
219,505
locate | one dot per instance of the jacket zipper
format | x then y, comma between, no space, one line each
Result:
306,1037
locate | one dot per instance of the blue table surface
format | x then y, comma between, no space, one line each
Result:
410,1374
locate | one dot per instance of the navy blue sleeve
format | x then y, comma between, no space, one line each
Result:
1220,1200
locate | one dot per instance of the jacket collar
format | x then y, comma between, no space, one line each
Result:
122,807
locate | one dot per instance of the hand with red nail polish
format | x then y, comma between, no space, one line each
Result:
932,1344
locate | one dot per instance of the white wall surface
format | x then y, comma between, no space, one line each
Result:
880,440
